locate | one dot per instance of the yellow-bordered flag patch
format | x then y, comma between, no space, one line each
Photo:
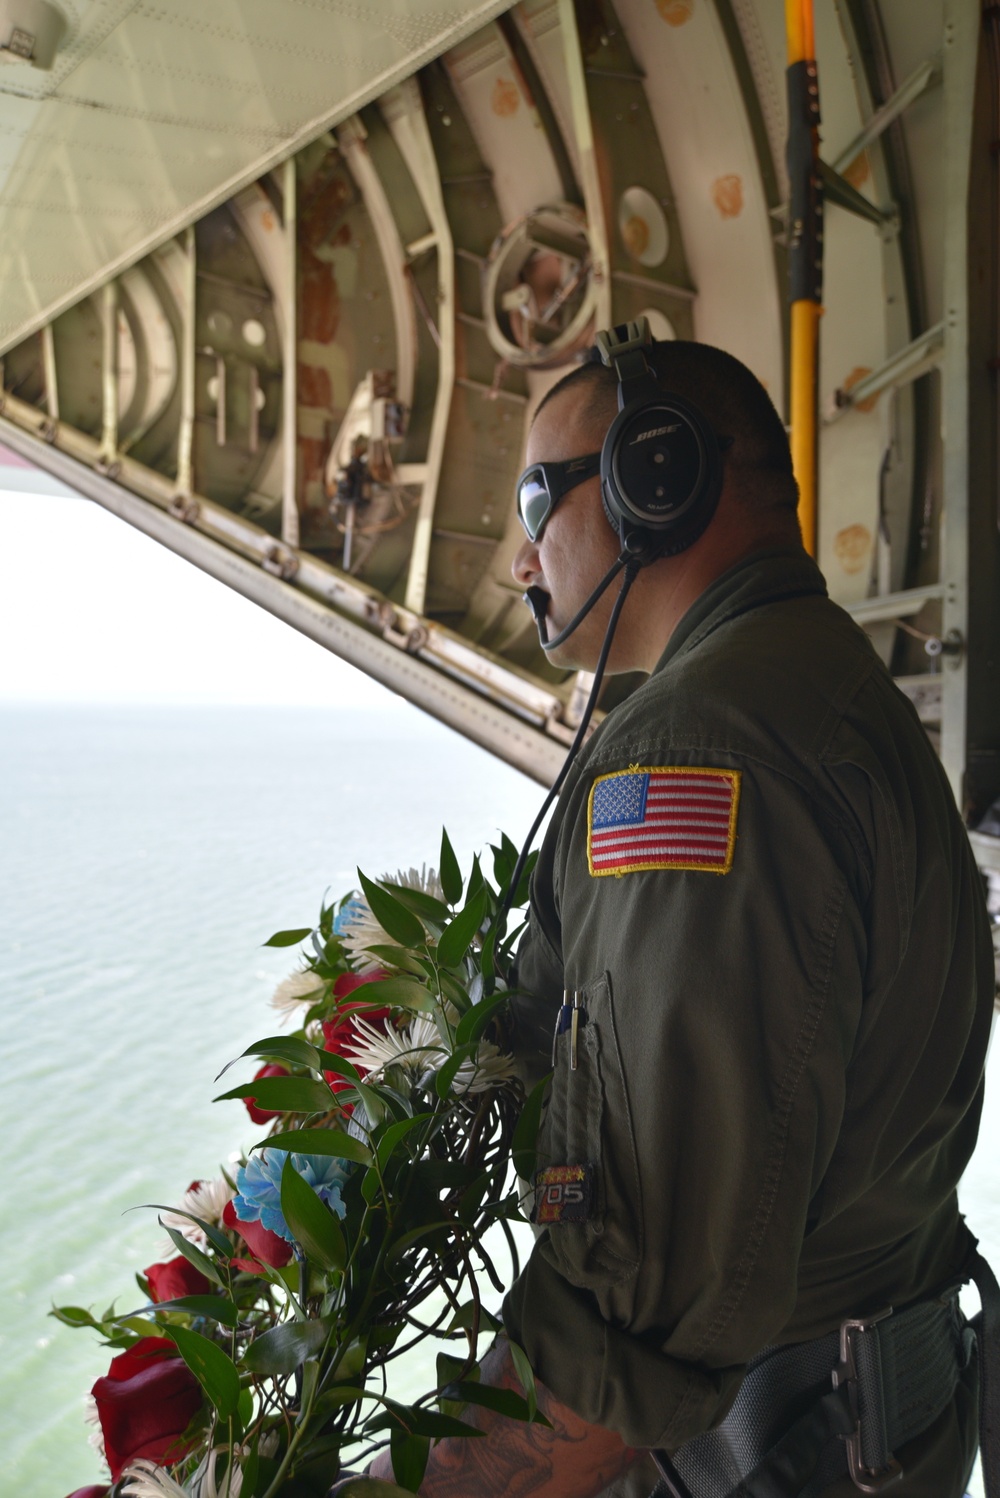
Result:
663,817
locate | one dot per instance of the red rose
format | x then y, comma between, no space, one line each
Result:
261,1115
175,1278
341,1033
348,982
267,1247
145,1402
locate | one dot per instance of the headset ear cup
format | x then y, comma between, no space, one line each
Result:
661,474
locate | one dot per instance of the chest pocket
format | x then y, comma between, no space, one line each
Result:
588,1123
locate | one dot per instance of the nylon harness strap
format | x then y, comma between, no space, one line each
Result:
809,1414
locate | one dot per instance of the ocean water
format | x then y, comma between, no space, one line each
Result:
145,854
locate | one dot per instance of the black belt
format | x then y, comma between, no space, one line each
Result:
812,1413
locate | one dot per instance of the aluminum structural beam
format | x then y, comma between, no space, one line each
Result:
902,368
404,114
962,25
290,363
590,180
922,78
480,698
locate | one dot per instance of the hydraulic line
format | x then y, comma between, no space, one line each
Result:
805,255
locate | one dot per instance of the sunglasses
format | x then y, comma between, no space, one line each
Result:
543,485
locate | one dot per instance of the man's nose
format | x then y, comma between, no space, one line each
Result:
525,565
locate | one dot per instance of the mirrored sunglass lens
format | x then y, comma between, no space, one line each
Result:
533,503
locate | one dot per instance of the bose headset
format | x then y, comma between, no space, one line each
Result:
661,469
661,477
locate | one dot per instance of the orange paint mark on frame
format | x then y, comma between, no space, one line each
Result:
727,195
505,99
857,374
858,171
675,12
851,547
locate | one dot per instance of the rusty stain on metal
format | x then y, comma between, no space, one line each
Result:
727,195
506,98
675,12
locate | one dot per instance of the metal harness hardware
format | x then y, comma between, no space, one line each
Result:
866,1395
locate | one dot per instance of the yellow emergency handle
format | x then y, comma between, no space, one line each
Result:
804,362
805,315
801,30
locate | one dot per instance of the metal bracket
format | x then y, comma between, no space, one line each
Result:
846,1375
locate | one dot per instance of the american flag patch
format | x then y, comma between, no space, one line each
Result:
668,817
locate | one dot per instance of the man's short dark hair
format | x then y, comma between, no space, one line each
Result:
732,400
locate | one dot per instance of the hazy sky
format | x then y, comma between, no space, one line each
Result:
92,610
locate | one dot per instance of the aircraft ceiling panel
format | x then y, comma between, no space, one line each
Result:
330,376
154,113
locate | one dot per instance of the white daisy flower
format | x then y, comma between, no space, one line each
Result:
206,1479
92,1416
489,1067
144,1479
361,931
205,1199
419,1049
301,987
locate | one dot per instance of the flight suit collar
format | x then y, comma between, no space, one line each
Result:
764,577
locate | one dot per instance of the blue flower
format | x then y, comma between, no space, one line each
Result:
349,912
258,1185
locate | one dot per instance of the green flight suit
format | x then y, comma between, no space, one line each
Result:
780,1075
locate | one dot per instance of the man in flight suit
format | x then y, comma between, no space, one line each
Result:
758,887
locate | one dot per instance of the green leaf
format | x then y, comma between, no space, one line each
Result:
332,1142
449,872
409,1459
456,937
245,1411
395,957
475,1020
426,906
525,1141
285,1347
524,1372
395,1133
215,1307
338,1064
397,993
312,1223
420,1422
279,1048
503,865
447,1073
394,918
448,1368
212,1367
502,1401
215,1235
464,1319
75,1316
194,1255
399,1248
284,1094
289,938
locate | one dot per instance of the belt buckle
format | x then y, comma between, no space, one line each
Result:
846,1375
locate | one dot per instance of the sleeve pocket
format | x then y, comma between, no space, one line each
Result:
588,1124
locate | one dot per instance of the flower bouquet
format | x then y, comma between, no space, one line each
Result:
259,1364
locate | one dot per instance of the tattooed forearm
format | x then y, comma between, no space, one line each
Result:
515,1460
